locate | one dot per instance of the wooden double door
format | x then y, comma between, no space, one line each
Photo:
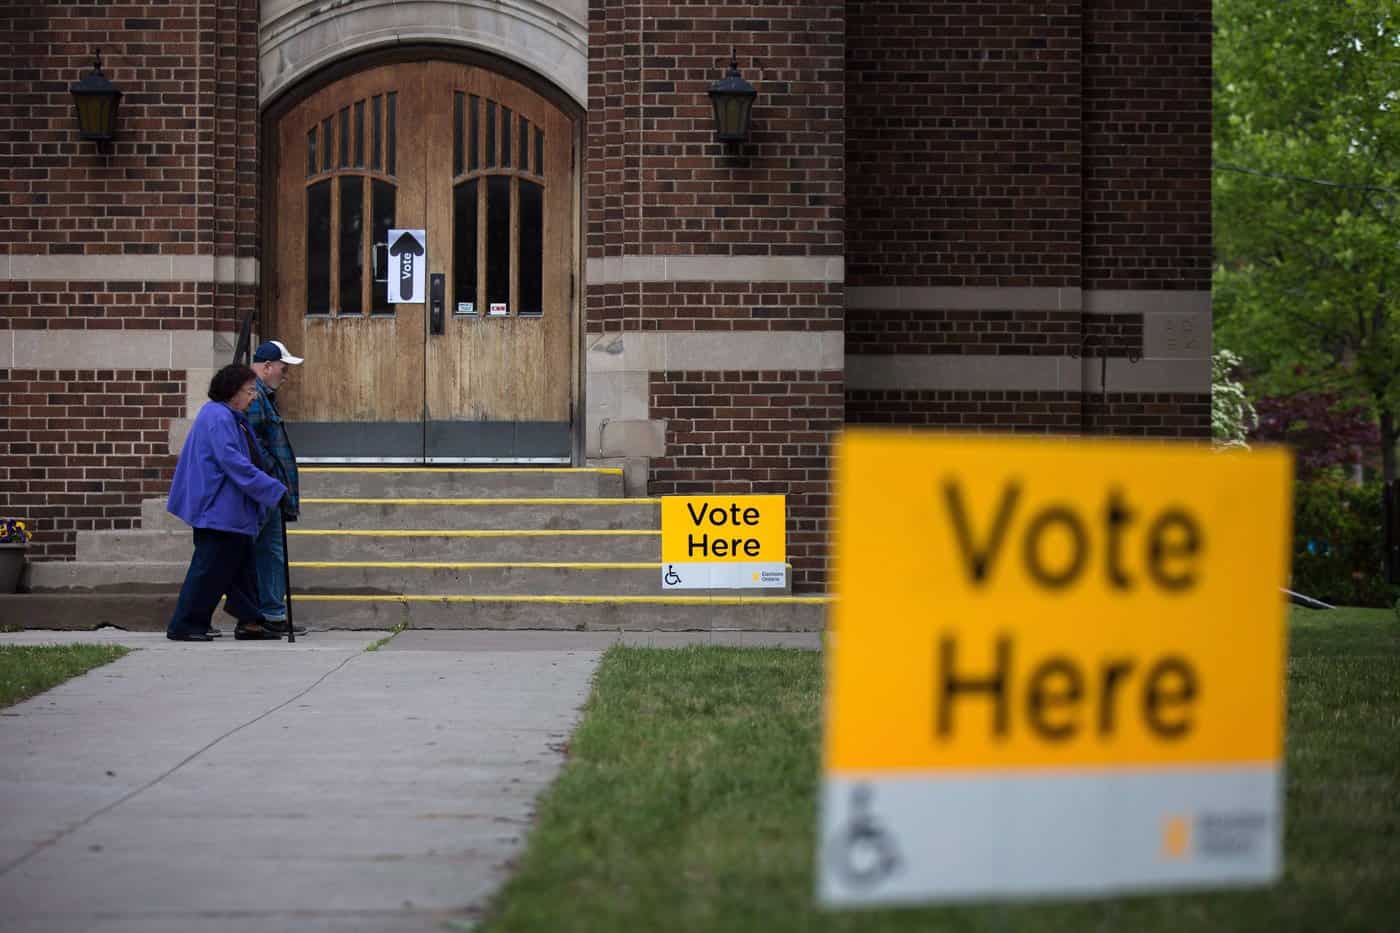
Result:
482,370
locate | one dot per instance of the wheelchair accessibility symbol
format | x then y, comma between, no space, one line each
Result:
863,854
672,578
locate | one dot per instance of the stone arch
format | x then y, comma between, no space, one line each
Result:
298,37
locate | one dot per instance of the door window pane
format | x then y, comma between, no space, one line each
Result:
464,201
382,194
311,152
390,144
457,120
497,239
505,137
344,137
377,109
318,248
531,260
359,134
473,135
327,135
524,144
490,134
352,203
539,151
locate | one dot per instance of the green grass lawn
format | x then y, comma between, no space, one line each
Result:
689,804
29,669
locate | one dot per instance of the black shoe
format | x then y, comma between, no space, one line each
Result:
189,636
251,631
278,627
215,633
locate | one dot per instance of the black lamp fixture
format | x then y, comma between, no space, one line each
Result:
732,97
96,99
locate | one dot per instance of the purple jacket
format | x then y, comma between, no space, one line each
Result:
216,483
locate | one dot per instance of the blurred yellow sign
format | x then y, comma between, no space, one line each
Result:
1026,609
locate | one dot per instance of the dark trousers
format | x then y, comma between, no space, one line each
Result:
223,563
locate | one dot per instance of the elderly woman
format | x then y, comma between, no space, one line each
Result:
220,490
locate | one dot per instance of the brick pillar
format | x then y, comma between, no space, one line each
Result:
715,291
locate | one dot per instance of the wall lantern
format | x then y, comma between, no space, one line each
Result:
96,99
732,97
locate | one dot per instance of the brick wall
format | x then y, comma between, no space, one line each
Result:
1148,414
80,449
658,183
963,143
1147,126
181,177
967,410
736,306
30,305
767,431
1001,333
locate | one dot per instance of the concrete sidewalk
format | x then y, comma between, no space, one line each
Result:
261,786
256,786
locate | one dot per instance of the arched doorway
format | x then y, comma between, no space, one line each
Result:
481,370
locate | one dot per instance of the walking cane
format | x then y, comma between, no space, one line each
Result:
287,579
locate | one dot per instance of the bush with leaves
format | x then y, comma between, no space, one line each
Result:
1232,417
1339,543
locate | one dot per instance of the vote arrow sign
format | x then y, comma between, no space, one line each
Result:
407,248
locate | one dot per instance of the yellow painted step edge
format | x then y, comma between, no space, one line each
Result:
610,471
639,501
474,533
580,600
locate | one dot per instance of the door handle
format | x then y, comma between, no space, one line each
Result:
437,287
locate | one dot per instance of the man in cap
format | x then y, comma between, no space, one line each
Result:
272,362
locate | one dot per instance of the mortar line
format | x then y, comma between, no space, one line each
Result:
48,843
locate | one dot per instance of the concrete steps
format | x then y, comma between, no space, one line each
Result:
496,514
395,545
427,548
378,578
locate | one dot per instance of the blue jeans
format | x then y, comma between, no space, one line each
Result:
222,563
272,584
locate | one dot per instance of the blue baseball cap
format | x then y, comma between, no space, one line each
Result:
272,351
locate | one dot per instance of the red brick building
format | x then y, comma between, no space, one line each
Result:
984,215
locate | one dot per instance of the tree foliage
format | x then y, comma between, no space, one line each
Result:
1307,198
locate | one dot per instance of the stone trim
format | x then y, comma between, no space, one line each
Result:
1119,301
108,349
1022,373
611,270
662,351
549,37
963,299
45,267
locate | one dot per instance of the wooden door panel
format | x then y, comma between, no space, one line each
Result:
361,367
514,369
376,385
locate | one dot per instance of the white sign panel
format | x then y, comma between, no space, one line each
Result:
408,261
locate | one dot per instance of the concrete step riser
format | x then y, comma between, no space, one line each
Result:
475,581
152,612
138,546
642,515
460,484
356,516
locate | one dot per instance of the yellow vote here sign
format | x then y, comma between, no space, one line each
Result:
723,542
1055,669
